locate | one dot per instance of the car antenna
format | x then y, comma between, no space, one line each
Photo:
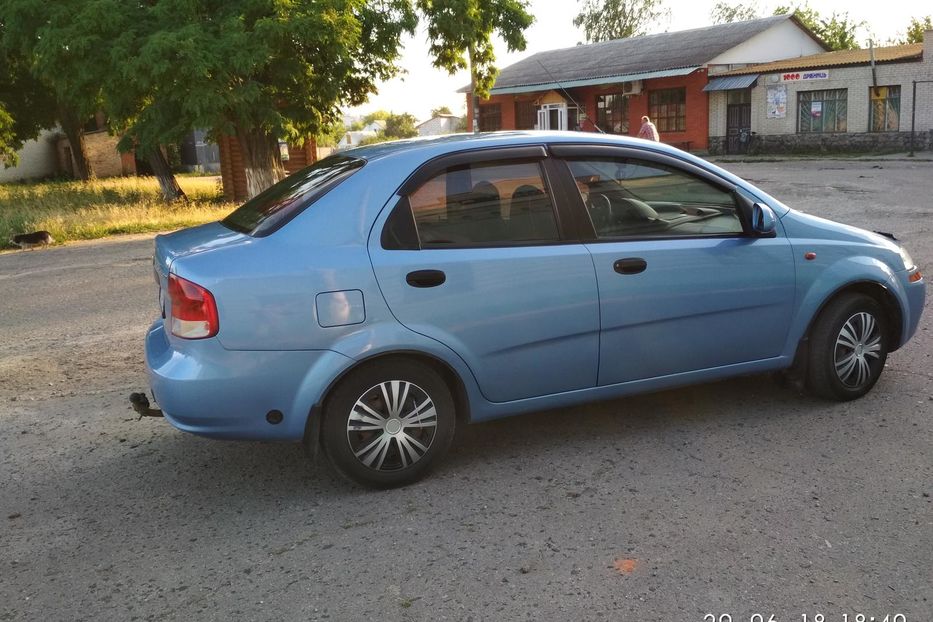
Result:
569,96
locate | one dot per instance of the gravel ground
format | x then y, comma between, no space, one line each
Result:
738,497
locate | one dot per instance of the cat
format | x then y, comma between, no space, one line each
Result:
29,240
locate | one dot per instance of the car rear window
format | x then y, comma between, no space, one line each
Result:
275,206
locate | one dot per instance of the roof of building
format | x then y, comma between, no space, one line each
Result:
625,59
438,116
840,58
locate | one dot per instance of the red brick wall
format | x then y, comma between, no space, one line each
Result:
233,173
697,107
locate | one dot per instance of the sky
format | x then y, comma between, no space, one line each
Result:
422,87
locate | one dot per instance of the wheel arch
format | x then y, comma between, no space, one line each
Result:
873,289
450,377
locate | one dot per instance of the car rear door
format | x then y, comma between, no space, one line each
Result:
475,255
683,285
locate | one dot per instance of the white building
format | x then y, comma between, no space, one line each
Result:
439,124
848,100
37,159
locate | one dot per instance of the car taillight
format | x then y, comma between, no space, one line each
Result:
194,312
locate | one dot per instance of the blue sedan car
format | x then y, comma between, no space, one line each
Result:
374,301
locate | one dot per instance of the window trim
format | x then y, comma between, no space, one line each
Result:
587,231
489,107
486,157
656,117
871,108
823,101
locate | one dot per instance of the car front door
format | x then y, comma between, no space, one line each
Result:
683,285
474,255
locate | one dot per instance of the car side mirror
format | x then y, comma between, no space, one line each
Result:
763,219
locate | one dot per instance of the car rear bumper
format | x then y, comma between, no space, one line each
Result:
207,390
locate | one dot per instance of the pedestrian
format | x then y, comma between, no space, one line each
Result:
648,131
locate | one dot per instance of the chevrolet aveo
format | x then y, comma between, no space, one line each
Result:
372,302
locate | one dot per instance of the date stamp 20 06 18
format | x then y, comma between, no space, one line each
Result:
807,617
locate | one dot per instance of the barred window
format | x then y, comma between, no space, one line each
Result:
668,109
822,111
612,113
885,110
490,118
526,115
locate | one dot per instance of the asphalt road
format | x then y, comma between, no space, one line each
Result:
736,498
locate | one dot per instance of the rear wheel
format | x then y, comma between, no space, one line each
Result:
388,423
848,348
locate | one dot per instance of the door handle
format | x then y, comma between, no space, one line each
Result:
425,278
630,265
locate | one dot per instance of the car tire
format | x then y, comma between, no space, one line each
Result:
388,423
848,348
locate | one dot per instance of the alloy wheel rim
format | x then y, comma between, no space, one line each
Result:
858,349
392,425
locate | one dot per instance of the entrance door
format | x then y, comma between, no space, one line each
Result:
552,117
738,120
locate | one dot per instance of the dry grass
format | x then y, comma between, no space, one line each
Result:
74,210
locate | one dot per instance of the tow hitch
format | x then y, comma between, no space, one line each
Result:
141,405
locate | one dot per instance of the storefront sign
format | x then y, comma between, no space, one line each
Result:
800,76
777,101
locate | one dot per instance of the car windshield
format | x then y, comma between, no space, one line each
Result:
278,204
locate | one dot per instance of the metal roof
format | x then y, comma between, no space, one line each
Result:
614,61
728,83
892,53
644,75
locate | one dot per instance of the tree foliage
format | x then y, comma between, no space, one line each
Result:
918,25
461,32
603,20
26,107
401,126
838,31
726,13
436,112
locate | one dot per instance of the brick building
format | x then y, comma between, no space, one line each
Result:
849,100
610,85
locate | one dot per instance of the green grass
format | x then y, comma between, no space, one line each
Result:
74,210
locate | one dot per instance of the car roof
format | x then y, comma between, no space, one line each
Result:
432,146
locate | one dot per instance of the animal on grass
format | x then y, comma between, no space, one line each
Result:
30,240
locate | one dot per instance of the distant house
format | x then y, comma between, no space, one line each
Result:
608,86
199,154
848,100
37,159
439,124
354,137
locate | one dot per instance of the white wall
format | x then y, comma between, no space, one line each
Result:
783,40
37,159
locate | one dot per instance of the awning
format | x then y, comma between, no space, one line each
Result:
727,83
569,84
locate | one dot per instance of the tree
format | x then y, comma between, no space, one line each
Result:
400,126
25,107
603,20
725,13
26,41
379,115
461,31
837,31
916,29
436,112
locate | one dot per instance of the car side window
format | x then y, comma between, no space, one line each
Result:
485,204
634,198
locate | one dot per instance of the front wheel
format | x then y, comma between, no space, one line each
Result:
848,348
388,423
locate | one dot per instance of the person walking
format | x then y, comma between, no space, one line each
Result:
648,131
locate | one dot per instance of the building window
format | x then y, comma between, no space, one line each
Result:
822,111
490,118
526,115
668,109
885,115
612,113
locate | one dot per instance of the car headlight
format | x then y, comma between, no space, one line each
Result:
908,261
